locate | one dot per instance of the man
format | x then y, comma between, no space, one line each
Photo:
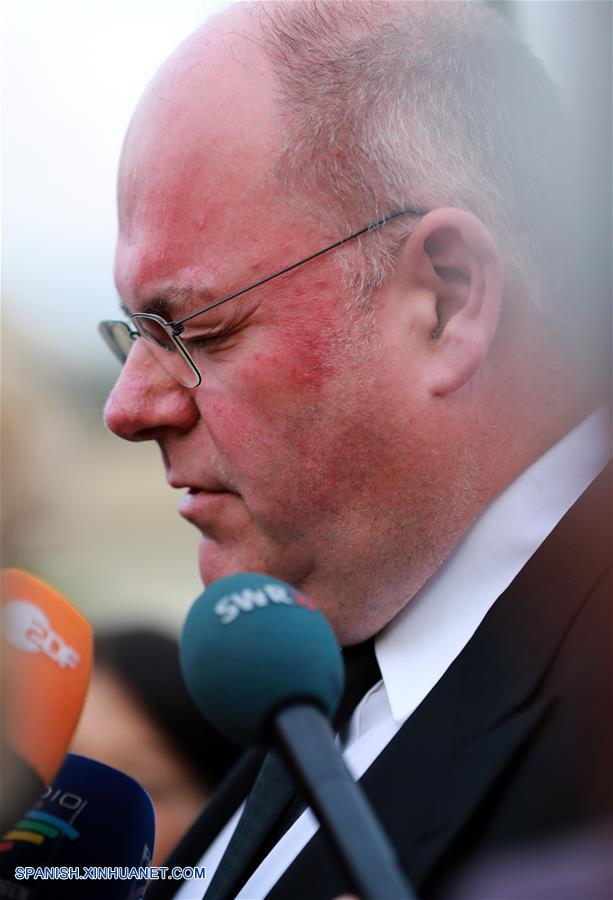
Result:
397,425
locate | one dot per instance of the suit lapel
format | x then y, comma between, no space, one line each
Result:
423,787
457,745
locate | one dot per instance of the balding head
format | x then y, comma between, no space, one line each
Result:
378,106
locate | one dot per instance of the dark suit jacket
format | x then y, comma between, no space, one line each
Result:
514,743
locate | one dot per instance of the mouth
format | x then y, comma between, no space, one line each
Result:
203,507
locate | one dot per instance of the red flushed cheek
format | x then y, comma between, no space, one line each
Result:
276,412
294,370
290,383
274,407
297,359
304,359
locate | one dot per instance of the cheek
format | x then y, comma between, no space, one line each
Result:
274,420
282,378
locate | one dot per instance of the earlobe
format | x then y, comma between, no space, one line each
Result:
464,269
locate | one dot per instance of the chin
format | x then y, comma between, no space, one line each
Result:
216,561
213,563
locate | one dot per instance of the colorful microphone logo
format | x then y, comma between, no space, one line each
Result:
38,825
35,828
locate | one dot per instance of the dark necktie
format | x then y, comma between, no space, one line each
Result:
274,802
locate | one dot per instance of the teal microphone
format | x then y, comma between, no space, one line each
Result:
263,665
252,644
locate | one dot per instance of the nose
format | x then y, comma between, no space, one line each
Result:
146,401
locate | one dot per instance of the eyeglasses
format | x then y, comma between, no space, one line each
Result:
163,338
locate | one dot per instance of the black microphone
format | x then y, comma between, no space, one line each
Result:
263,665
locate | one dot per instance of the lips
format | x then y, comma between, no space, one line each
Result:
209,486
203,508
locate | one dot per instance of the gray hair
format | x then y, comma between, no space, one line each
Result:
387,105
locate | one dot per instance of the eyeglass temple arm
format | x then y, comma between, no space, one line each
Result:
178,325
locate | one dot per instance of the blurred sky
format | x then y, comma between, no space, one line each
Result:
88,513
72,74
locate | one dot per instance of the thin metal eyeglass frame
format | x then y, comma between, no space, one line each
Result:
301,262
175,328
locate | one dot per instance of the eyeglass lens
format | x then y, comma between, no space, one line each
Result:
118,338
166,351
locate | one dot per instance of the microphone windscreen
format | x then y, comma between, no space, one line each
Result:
251,645
91,816
46,665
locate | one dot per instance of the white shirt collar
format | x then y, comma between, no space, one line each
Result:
422,641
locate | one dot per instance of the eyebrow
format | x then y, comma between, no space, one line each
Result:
172,303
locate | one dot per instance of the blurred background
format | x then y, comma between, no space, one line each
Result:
80,508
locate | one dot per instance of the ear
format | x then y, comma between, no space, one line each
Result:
452,276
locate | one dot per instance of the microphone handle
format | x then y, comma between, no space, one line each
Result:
306,740
20,787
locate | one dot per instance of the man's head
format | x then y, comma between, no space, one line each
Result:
356,414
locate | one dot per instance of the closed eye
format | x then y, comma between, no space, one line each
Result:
206,341
221,335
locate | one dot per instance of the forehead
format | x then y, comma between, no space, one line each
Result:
196,188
